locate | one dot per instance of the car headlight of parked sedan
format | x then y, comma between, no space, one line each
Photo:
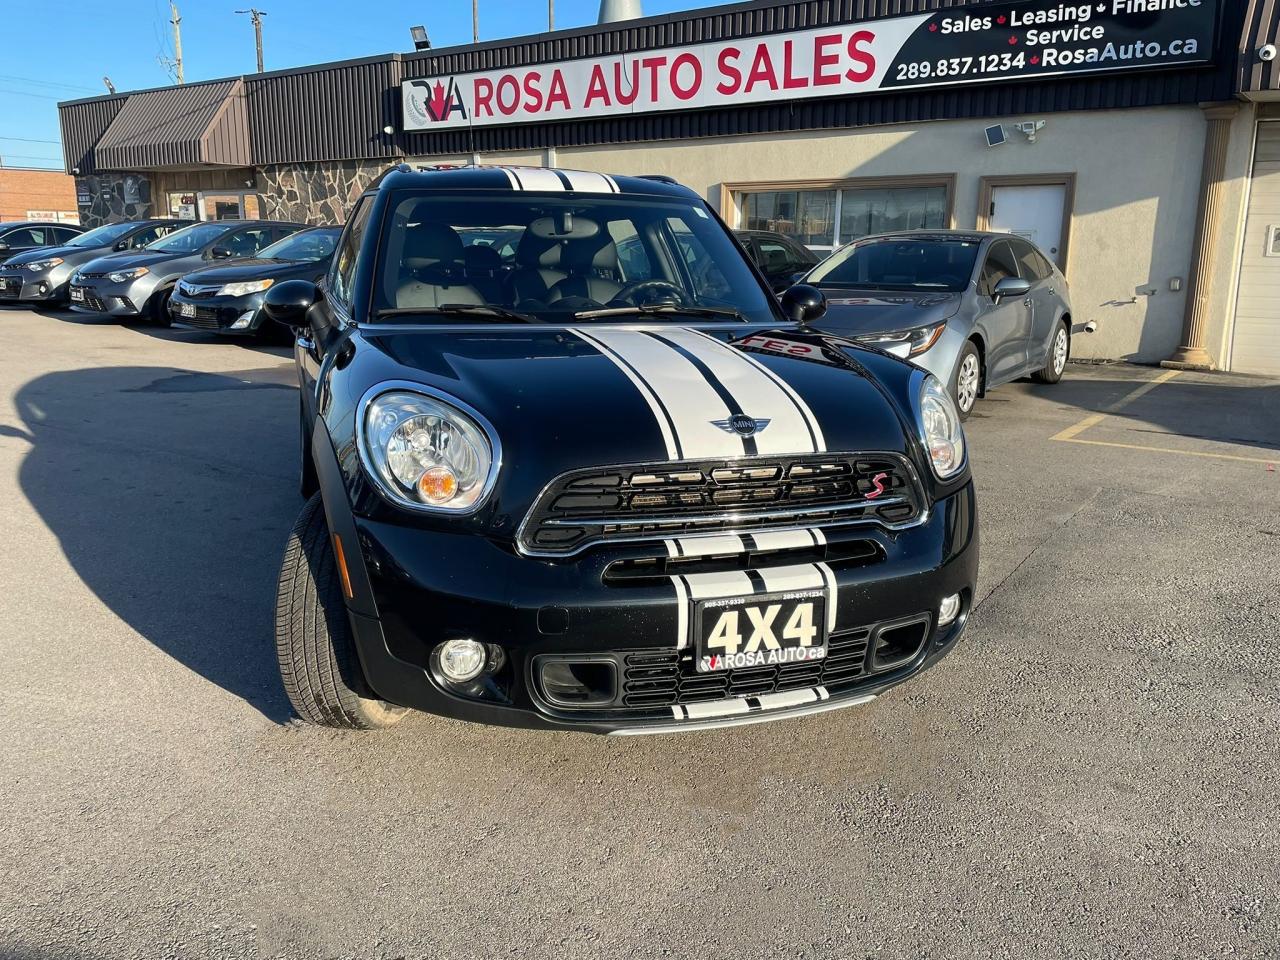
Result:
123,276
918,339
940,428
426,454
244,289
40,266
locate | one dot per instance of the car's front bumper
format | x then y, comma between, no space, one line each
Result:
22,286
233,316
426,586
100,295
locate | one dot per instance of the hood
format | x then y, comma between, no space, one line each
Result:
129,259
851,313
43,253
258,268
563,399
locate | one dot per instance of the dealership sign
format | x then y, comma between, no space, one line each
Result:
958,45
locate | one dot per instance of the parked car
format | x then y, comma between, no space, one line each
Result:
43,276
782,260
19,236
583,502
228,298
974,309
140,283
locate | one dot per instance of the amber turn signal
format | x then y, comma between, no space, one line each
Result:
438,485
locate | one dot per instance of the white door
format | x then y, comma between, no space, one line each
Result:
1034,212
1255,344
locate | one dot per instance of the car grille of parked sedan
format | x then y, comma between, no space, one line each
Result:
206,318
92,302
196,291
658,501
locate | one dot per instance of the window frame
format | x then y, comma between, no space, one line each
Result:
733,197
983,288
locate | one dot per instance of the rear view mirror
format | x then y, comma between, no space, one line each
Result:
220,253
1011,287
803,303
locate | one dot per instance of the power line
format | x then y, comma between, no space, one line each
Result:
45,83
27,156
28,140
38,96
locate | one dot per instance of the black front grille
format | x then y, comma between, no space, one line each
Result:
10,288
90,301
656,501
206,318
660,679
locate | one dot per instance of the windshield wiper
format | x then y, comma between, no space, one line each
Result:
458,309
726,313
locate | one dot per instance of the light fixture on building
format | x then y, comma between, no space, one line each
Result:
1030,128
111,87
995,135
420,39
389,130
1267,52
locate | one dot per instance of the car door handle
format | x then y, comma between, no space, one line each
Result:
1027,302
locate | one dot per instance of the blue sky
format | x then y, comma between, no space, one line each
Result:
66,48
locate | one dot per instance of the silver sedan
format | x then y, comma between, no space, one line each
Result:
974,309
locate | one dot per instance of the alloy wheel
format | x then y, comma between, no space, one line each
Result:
967,383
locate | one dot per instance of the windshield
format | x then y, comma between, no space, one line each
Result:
190,239
899,264
555,260
101,236
308,245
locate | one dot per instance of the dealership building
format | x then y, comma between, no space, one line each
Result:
1136,141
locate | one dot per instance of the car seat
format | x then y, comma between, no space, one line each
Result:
431,270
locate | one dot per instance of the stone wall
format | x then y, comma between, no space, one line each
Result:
321,193
113,197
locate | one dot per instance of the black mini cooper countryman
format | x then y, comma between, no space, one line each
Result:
555,487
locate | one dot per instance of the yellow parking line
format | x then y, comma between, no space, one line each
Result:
1092,421
1185,453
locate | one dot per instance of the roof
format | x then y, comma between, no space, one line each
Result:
199,123
8,224
928,234
508,179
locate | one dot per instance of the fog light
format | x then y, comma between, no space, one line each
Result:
949,610
43,288
243,321
461,660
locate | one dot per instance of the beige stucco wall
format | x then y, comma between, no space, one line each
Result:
1137,178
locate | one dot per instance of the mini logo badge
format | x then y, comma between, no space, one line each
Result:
742,425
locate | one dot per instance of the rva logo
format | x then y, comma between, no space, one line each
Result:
434,102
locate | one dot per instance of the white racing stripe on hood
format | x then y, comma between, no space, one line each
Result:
818,441
689,400
536,178
757,392
666,425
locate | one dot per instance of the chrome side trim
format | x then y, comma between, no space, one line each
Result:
747,517
741,720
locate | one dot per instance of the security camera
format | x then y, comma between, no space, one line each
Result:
1091,326
1029,128
388,129
1267,52
75,170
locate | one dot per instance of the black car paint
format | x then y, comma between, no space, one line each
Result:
572,408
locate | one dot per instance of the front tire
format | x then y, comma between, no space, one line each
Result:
1059,353
966,383
160,308
318,661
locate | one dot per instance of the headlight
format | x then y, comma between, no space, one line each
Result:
940,428
918,339
39,266
244,289
426,454
120,276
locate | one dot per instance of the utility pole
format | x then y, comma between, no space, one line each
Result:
551,14
475,21
256,16
177,39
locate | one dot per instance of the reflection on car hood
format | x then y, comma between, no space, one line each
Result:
44,253
601,394
856,312
258,268
130,259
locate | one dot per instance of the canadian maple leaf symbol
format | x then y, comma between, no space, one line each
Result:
1034,61
1001,18
1013,41
933,28
438,103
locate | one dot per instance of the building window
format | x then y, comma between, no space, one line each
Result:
823,219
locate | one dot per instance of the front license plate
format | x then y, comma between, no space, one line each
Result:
187,309
77,295
739,632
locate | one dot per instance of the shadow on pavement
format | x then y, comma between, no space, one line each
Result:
171,493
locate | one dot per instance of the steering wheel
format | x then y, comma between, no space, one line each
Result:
644,292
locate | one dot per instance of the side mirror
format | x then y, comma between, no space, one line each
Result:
121,245
287,303
220,253
1011,287
803,303
4,247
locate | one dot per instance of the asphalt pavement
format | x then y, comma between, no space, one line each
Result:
1093,773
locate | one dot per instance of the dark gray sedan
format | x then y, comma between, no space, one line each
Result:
974,309
139,283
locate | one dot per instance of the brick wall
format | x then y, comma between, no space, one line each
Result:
48,191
